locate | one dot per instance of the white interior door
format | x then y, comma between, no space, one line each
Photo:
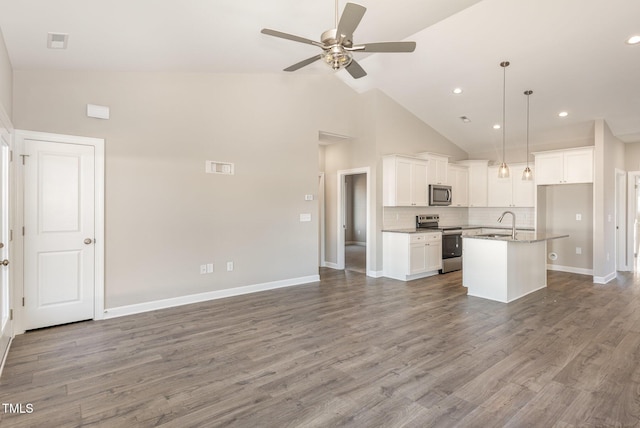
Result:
59,235
5,318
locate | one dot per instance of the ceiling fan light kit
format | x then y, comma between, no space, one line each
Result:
337,44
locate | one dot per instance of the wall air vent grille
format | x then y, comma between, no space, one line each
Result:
215,167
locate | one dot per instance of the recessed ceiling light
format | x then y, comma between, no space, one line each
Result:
633,40
465,119
496,126
563,114
457,91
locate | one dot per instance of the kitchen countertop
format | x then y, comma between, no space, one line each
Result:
523,237
463,227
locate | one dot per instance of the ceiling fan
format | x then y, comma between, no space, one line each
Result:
337,43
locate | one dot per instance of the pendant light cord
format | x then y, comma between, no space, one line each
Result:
336,13
504,90
528,93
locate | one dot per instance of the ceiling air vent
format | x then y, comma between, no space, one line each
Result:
57,40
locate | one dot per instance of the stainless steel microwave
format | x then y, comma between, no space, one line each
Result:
439,195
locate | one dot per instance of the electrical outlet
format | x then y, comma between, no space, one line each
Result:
578,250
203,269
229,266
209,267
578,217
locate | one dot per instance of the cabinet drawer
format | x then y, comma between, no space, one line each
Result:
425,237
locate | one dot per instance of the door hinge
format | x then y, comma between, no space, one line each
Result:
11,314
10,155
24,156
22,230
23,301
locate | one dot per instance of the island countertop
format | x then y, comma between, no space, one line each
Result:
523,237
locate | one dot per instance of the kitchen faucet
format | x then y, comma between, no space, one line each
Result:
513,225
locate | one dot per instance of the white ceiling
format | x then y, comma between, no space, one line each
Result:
571,53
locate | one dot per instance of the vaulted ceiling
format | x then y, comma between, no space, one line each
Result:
571,53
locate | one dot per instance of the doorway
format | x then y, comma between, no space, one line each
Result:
62,212
354,220
6,325
621,223
633,220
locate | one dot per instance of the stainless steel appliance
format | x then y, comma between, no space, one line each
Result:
451,241
439,195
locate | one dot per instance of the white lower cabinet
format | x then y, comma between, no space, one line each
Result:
408,256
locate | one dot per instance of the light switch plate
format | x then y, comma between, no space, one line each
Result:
578,217
305,217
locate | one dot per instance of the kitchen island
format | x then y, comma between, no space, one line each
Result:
501,268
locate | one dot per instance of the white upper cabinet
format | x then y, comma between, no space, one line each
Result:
458,176
511,191
564,166
477,182
404,181
436,168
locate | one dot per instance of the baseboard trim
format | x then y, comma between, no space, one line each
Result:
4,357
605,279
570,269
203,297
331,265
375,273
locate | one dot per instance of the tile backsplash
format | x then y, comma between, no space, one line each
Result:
405,217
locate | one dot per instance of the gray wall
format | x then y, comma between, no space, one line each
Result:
609,156
562,203
164,215
6,79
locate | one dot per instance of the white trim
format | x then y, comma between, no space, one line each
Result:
340,211
631,217
321,220
621,227
605,279
99,270
331,265
570,269
203,297
4,357
375,273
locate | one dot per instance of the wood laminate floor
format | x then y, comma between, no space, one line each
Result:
347,351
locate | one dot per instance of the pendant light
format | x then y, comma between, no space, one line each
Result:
503,171
527,175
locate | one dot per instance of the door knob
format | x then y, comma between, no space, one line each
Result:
5,262
88,241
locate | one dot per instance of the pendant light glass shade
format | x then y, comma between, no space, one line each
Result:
527,175
503,171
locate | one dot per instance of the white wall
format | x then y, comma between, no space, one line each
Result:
6,79
164,215
609,155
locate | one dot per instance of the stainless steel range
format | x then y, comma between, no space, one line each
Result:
451,241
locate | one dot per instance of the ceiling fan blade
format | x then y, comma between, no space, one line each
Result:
355,70
301,64
287,36
387,47
351,17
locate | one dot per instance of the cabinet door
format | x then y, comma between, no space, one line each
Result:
433,253
578,166
523,191
403,182
437,169
459,181
500,190
549,168
478,185
419,186
417,258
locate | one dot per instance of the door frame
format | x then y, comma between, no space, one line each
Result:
632,207
99,195
621,236
340,213
6,125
